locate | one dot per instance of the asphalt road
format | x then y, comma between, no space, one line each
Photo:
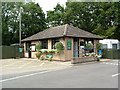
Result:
89,75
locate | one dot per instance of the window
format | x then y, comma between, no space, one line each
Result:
27,47
33,47
44,44
104,46
114,46
54,41
82,43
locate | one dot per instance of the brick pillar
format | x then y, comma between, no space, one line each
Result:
95,42
24,47
49,44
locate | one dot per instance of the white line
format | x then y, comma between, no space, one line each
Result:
23,76
111,63
115,74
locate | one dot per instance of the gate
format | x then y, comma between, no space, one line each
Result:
111,54
10,52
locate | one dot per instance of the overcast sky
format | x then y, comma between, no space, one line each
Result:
49,4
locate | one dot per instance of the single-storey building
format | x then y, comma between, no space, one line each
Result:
72,38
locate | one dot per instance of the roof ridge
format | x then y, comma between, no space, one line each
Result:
65,30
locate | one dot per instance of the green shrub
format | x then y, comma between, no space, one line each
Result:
38,54
38,47
59,46
98,46
89,46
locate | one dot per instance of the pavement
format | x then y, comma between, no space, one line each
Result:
16,66
103,74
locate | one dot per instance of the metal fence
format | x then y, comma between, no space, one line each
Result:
10,52
111,53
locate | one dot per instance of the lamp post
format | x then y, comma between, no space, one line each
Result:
20,27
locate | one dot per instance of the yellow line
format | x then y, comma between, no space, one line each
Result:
25,64
9,64
39,65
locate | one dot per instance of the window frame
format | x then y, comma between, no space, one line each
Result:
54,40
44,43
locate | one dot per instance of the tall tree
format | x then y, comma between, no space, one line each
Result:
33,21
99,18
55,17
9,22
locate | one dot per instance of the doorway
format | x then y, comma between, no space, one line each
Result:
76,47
29,50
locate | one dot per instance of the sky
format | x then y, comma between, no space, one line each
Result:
49,4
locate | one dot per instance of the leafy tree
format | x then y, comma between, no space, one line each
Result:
10,22
56,17
33,21
101,18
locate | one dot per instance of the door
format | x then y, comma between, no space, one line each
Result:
76,47
29,50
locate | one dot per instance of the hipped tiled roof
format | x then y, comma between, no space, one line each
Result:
61,31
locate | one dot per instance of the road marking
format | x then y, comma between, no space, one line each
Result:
109,63
115,74
42,63
23,76
38,65
10,64
25,64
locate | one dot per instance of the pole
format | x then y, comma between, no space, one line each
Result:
20,27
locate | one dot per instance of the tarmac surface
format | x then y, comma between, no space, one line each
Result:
54,74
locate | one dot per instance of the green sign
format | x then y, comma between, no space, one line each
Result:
49,55
69,44
20,49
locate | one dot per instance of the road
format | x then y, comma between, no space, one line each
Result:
88,75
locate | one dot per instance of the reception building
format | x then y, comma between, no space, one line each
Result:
73,39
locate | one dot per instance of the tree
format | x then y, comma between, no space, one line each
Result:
33,21
101,18
10,22
56,17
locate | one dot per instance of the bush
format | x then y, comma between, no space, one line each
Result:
59,46
38,47
89,46
38,54
98,46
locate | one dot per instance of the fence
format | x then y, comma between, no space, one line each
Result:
10,52
111,53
